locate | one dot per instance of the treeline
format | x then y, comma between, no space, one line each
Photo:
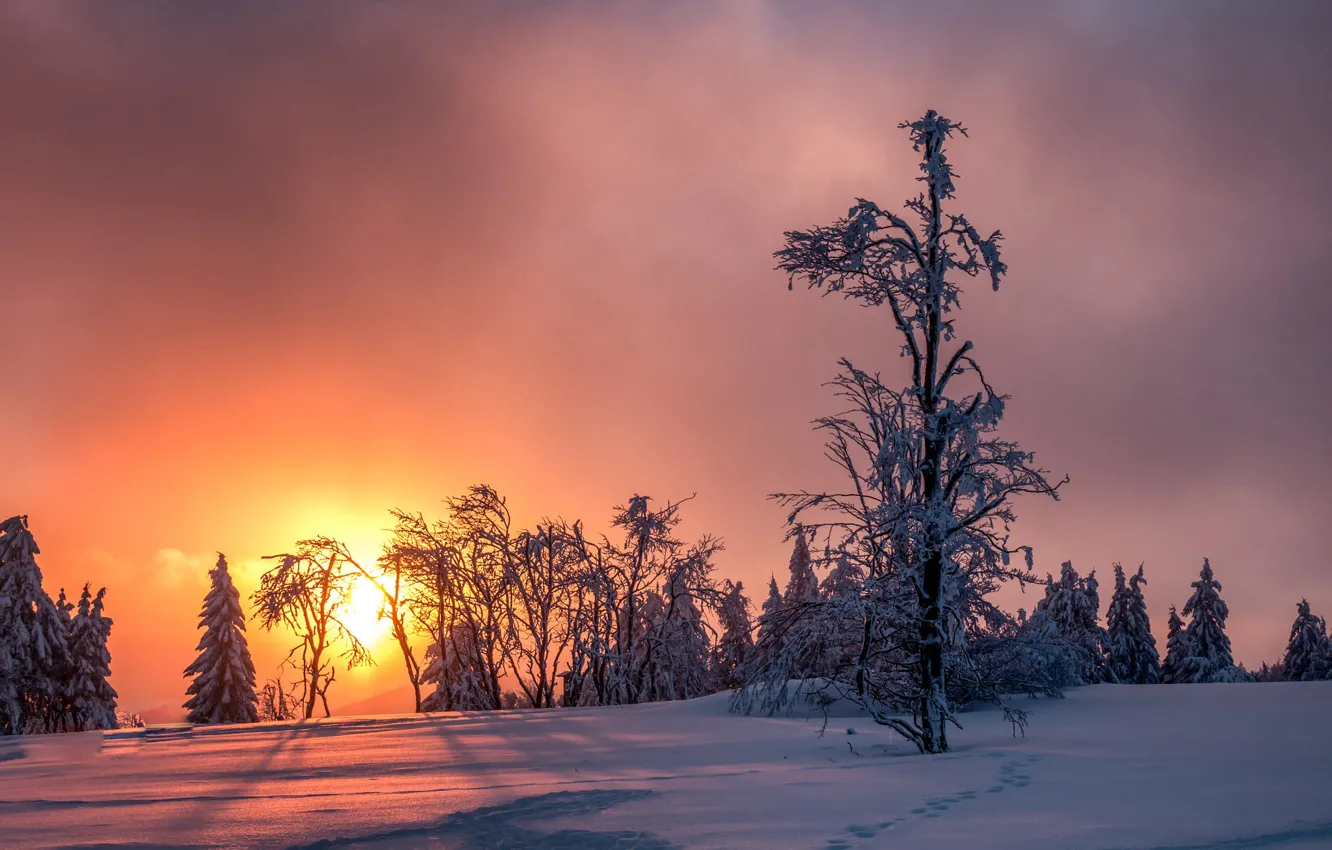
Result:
534,617
53,664
814,633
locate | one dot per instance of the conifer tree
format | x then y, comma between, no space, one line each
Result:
1130,647
33,646
1175,651
736,646
1206,646
65,676
803,585
772,610
844,578
223,686
92,699
1307,652
1072,604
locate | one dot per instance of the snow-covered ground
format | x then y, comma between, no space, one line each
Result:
1183,766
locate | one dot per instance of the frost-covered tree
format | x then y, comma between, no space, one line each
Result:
676,645
460,683
801,585
307,591
1130,646
927,512
1073,604
92,699
34,653
1176,652
1307,652
735,647
649,591
1205,645
222,690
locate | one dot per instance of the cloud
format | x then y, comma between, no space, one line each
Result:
172,569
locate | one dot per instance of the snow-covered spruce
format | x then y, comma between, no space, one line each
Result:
1205,648
1175,649
223,686
772,609
801,584
92,700
735,647
925,518
1307,653
34,654
1129,644
1073,604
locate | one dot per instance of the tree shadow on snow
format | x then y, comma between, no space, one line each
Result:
498,826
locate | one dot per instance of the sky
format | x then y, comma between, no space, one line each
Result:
270,270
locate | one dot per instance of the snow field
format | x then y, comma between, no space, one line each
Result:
1170,766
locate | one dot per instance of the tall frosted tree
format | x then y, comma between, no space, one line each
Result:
1206,646
92,699
1307,652
929,505
34,652
801,585
1130,646
223,686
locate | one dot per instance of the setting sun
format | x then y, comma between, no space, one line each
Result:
362,613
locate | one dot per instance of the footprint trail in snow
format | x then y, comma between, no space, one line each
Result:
1013,773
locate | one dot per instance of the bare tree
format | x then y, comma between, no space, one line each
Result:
542,576
483,548
422,556
931,483
278,700
454,579
307,591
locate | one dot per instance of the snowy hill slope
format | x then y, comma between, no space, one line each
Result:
1185,766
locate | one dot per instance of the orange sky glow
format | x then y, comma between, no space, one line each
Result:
270,272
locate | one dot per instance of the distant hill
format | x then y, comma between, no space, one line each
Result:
395,701
164,714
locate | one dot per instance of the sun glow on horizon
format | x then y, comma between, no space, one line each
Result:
361,615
